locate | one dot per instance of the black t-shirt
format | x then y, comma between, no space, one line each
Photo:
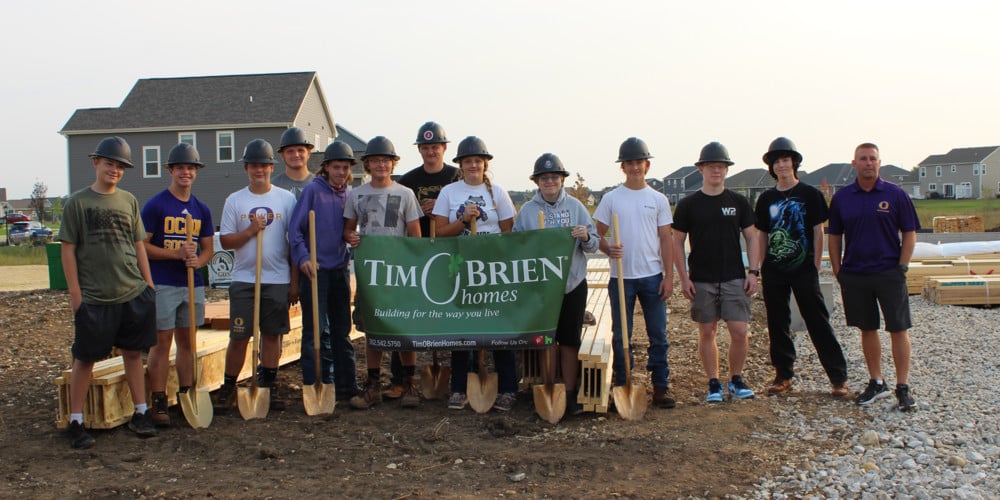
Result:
427,186
714,225
788,218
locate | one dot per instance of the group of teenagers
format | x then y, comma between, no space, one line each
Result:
127,268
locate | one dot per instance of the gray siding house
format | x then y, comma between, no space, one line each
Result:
218,115
834,176
681,183
960,173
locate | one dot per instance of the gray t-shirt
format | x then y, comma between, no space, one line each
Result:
382,211
283,181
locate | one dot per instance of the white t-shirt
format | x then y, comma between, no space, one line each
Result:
382,211
492,209
640,215
278,205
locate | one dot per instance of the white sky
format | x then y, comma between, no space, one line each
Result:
570,77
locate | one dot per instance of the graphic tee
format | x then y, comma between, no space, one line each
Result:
427,187
493,208
165,219
277,205
788,218
382,211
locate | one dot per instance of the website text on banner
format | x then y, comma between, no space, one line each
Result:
497,291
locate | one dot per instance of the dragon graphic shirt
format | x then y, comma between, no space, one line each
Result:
788,218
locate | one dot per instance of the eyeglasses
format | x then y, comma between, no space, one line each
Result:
549,178
380,160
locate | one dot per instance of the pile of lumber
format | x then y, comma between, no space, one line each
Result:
963,290
959,224
919,272
596,354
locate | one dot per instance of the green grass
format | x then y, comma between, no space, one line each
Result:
988,209
23,255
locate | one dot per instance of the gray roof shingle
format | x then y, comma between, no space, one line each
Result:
960,155
184,102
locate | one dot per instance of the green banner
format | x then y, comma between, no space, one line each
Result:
491,291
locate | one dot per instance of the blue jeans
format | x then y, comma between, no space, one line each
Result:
654,311
338,365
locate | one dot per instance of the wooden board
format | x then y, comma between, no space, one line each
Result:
596,354
919,272
963,290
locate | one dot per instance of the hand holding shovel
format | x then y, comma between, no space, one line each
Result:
255,401
630,399
318,398
196,405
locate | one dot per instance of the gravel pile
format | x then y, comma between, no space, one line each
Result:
949,447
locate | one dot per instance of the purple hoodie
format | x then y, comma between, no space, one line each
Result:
331,249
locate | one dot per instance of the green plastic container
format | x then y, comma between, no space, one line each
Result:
57,279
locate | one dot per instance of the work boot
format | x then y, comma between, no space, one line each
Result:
395,392
78,437
142,424
160,416
410,397
370,396
661,398
224,399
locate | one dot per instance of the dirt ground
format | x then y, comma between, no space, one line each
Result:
695,450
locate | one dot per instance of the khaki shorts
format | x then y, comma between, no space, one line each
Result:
714,301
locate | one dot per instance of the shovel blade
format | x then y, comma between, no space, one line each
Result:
435,381
550,402
197,408
630,400
319,399
254,402
482,391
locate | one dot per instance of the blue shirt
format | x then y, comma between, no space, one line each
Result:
871,223
164,217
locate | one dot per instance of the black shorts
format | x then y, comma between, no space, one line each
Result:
574,307
864,294
273,310
130,326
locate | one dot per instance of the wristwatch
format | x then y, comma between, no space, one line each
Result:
904,267
755,272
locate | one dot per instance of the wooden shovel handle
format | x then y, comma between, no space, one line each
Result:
256,304
621,303
193,328
314,282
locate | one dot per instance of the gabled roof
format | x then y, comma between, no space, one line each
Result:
960,155
839,174
203,101
749,178
682,172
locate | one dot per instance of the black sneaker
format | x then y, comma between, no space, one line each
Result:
905,401
142,424
224,399
572,406
78,437
874,391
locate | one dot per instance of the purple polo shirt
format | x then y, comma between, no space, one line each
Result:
871,222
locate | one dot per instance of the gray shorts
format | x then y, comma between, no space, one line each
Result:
172,307
273,310
727,301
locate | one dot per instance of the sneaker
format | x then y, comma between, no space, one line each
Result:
142,424
160,416
737,389
78,437
661,398
505,402
874,391
395,392
572,406
370,396
780,385
224,399
714,392
839,390
905,401
410,397
457,401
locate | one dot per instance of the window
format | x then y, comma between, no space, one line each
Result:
953,169
937,171
930,187
975,169
188,138
150,161
316,143
923,172
224,148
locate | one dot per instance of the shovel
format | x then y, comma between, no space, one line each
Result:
196,405
550,398
481,386
319,398
434,379
630,399
254,401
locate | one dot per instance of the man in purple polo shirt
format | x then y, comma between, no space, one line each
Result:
870,215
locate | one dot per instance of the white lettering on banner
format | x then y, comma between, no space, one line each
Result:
728,210
520,271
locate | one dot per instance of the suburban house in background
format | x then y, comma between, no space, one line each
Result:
217,115
960,173
683,181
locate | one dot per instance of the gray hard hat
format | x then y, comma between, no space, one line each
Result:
258,151
294,137
339,150
114,148
548,163
431,133
380,146
633,148
472,146
184,153
714,152
778,149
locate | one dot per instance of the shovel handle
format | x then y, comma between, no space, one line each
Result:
433,228
314,282
621,302
193,328
256,301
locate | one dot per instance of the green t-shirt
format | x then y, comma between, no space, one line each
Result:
105,229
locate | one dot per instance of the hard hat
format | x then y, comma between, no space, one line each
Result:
258,151
780,147
380,146
339,150
633,148
184,153
714,152
431,133
114,148
548,163
472,146
294,137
